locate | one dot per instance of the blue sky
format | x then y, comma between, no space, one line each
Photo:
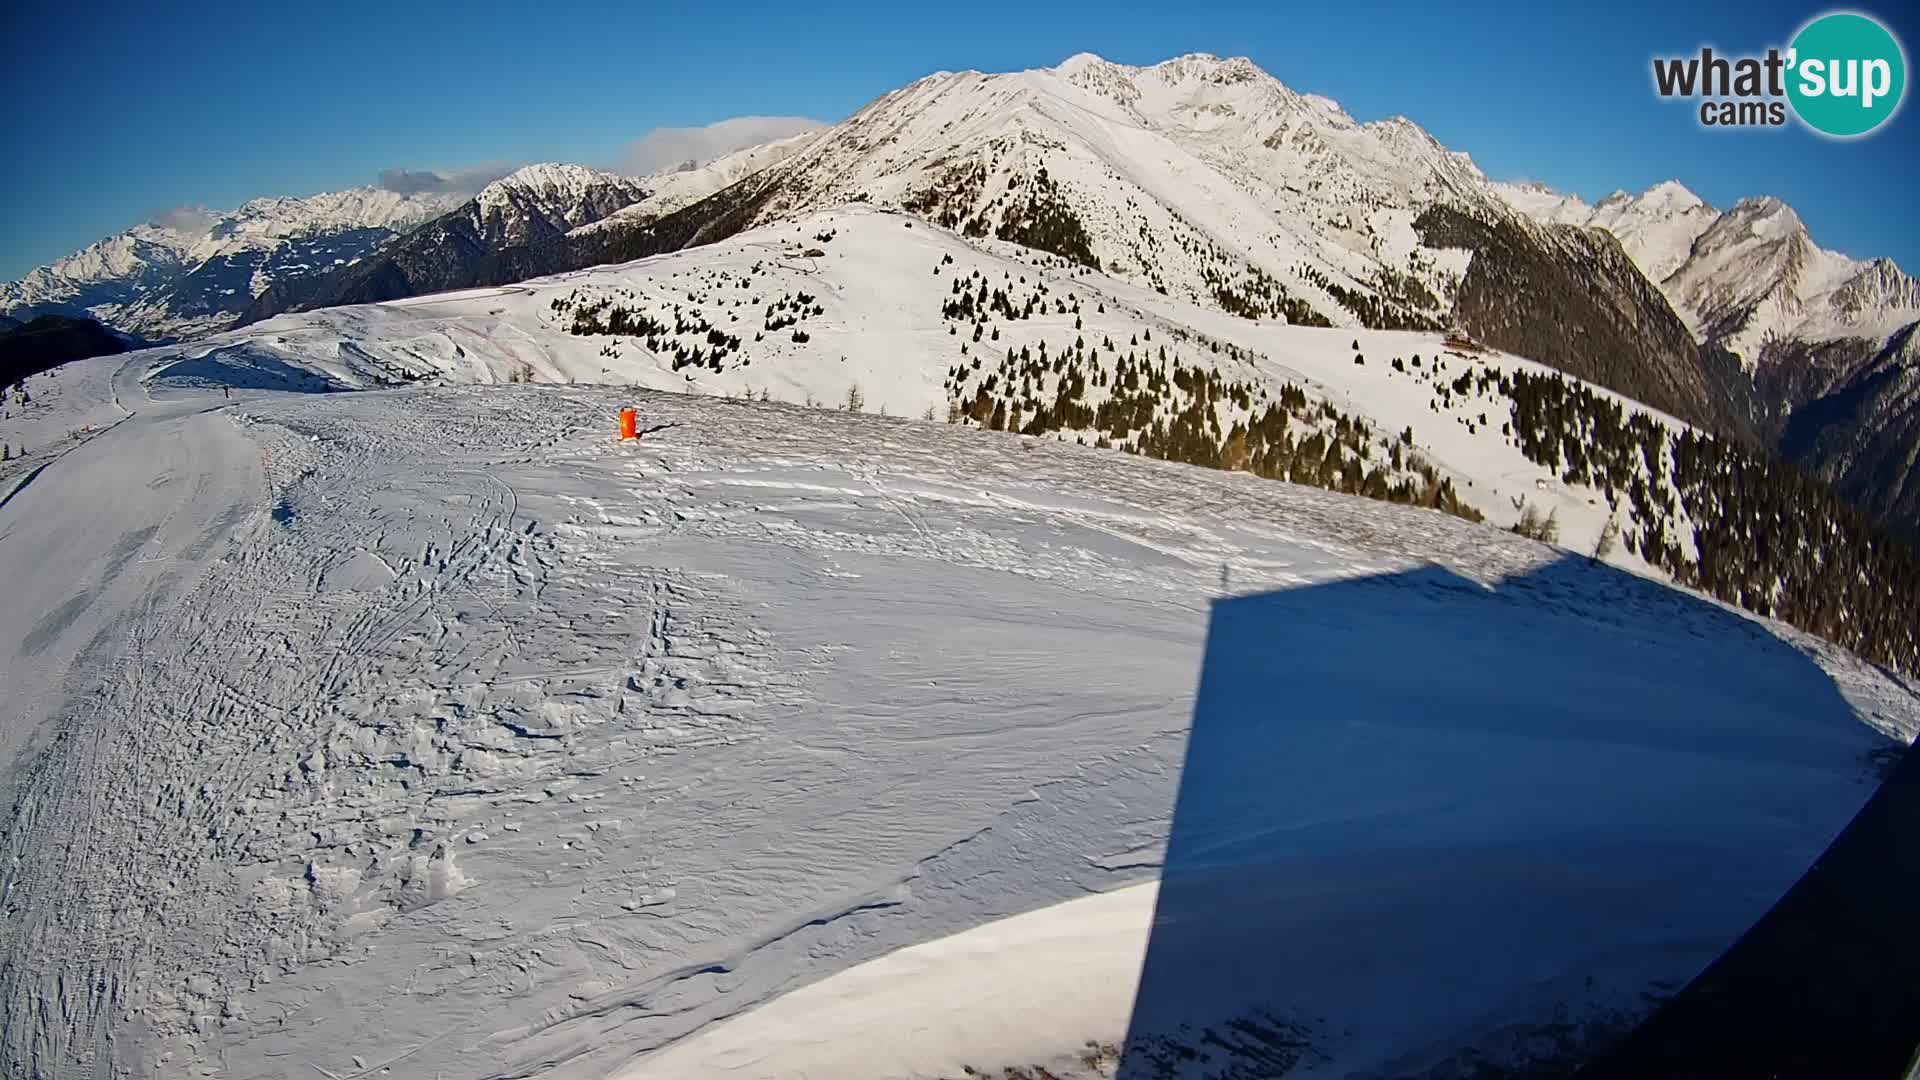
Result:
120,111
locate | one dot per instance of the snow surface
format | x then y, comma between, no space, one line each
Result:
1025,990
434,732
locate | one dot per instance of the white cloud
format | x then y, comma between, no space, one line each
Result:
667,148
186,219
441,181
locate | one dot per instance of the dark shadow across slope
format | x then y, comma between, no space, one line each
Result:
1431,829
1826,985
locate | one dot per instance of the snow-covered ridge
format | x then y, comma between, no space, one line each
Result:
549,199
556,182
683,185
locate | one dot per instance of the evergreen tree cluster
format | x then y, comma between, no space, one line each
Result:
1258,295
1045,221
1374,312
1764,536
953,196
1147,402
1138,397
790,309
1406,291
1240,287
975,300
690,339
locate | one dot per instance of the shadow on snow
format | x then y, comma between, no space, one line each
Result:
1431,829
241,368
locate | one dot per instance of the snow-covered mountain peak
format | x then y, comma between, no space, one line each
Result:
1191,67
1670,195
1755,277
1199,90
1664,198
1879,286
1082,63
1657,227
1765,217
1100,77
1758,225
1542,203
547,178
263,222
1206,67
549,199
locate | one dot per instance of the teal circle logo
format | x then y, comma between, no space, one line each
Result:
1847,74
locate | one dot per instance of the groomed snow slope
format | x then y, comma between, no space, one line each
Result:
464,741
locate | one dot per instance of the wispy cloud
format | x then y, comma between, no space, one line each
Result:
667,148
462,181
186,219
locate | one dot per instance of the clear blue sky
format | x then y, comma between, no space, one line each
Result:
119,111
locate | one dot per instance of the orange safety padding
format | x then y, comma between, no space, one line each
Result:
629,424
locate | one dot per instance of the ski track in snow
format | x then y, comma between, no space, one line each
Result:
434,733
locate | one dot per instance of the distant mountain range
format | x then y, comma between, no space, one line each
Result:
1203,178
163,282
536,205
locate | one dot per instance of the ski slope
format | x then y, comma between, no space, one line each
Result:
432,732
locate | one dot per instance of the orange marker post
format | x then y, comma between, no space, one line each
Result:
629,424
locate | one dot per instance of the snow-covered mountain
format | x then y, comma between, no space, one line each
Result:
543,201
1656,227
200,272
1201,178
1207,180
532,208
1745,278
